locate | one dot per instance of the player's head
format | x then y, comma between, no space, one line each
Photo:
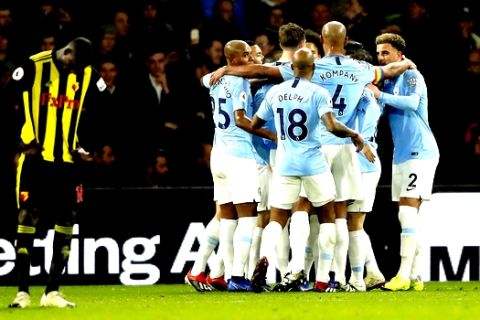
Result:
334,35
390,48
313,43
355,50
291,36
303,63
76,55
237,53
256,53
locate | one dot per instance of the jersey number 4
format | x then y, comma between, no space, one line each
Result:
338,102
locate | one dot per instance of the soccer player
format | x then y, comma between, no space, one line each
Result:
215,280
360,252
313,43
298,105
234,167
196,276
291,37
54,89
415,155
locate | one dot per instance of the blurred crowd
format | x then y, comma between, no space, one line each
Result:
156,118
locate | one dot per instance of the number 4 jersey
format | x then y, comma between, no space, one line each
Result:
344,78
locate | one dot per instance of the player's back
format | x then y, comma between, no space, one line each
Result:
229,94
345,79
297,106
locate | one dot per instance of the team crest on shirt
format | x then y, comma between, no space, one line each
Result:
396,90
412,82
24,195
243,96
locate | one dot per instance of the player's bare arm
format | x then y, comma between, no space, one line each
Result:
340,130
242,121
248,71
396,68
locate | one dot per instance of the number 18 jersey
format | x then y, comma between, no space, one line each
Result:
297,106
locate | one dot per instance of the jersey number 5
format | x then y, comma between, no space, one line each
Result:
220,111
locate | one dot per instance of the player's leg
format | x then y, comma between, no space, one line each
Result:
68,195
28,200
412,183
356,251
244,187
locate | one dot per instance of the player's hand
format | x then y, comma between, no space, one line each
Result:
367,151
358,142
31,148
216,75
81,154
376,91
410,62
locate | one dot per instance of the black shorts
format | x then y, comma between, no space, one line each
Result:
49,187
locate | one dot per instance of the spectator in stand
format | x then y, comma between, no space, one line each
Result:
151,26
123,40
47,41
468,38
7,55
275,18
155,119
267,40
320,14
158,170
223,24
361,22
105,44
103,171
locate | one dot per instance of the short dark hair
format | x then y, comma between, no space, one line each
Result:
290,35
356,51
83,51
313,37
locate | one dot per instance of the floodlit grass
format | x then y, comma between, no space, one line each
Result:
441,300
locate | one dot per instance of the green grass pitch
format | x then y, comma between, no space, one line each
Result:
440,300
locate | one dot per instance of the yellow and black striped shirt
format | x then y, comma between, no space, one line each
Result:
52,103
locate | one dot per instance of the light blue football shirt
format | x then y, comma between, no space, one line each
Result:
406,105
263,146
297,106
368,114
229,94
